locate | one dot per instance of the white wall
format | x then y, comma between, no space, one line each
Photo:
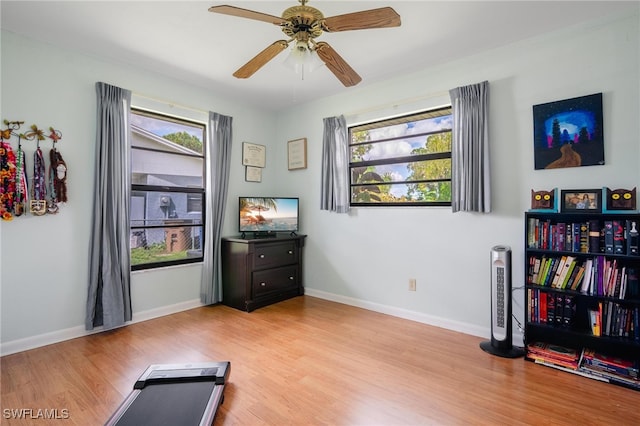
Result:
367,257
364,258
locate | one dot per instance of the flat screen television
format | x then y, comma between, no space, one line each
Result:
266,216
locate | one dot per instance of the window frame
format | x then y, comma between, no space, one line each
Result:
406,118
161,189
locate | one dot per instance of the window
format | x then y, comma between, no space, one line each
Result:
167,190
402,161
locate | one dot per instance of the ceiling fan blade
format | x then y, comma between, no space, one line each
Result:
258,61
384,17
246,13
337,65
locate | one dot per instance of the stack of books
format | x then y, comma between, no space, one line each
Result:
588,363
614,370
553,355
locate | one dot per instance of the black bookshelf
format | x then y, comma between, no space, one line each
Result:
582,269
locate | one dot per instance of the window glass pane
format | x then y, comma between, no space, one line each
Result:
402,160
418,145
165,169
408,128
165,133
402,193
167,178
195,203
401,172
153,208
154,245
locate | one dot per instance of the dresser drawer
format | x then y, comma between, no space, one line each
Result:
274,280
277,254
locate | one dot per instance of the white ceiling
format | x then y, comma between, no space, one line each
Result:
182,39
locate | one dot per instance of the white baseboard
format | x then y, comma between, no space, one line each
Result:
33,342
466,328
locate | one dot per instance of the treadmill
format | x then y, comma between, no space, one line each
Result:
174,394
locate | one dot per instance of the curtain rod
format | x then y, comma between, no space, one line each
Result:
169,103
396,103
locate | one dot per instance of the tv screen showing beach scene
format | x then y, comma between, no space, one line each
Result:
266,214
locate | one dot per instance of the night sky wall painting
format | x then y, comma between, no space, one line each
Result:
568,133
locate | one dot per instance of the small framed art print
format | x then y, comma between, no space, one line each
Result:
297,154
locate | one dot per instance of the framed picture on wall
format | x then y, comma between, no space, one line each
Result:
253,174
253,155
297,154
568,133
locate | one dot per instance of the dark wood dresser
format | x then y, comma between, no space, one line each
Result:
262,271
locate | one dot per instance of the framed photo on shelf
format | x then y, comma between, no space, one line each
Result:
297,154
253,155
581,201
253,174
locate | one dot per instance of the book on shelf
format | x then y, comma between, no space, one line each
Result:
559,306
551,309
559,267
576,277
542,307
567,269
546,270
608,236
589,278
575,239
594,320
568,310
594,236
632,236
619,246
584,237
560,236
633,285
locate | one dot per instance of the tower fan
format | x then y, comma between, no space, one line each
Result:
501,335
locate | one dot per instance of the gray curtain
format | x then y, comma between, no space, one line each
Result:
335,166
109,297
218,165
470,174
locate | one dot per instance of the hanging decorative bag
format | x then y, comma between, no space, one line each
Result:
7,179
57,175
38,203
21,194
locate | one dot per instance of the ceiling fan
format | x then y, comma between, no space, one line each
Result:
303,24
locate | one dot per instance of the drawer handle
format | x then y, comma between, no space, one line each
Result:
261,256
290,251
263,284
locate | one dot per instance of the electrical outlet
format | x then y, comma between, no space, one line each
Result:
412,284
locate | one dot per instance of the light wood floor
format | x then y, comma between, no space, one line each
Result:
307,361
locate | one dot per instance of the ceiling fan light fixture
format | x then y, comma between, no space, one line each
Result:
302,58
313,62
